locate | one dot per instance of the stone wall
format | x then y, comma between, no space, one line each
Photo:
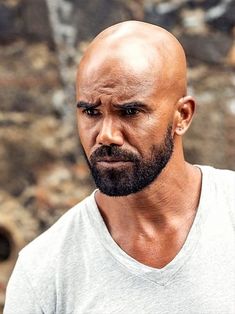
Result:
43,172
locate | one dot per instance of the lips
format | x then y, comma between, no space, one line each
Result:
112,160
109,161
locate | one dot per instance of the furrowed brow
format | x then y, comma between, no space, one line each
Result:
86,105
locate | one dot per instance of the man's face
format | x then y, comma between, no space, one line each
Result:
125,128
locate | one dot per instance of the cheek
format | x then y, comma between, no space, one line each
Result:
141,136
147,129
150,132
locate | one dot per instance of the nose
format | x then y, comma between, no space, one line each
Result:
110,133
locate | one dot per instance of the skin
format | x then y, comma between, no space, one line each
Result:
139,62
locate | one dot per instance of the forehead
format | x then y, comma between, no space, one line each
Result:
118,76
119,86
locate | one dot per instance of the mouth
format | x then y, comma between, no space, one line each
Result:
112,159
112,162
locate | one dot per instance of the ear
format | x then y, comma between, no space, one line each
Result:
184,110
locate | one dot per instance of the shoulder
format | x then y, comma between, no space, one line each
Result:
223,177
46,263
44,252
220,185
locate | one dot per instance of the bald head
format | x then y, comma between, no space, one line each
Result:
132,51
131,88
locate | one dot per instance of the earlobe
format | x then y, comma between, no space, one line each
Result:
185,109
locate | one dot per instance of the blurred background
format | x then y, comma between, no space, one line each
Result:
42,170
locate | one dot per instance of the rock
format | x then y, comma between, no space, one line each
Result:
103,12
59,187
21,153
208,140
164,14
36,25
37,77
194,21
17,228
211,48
231,56
205,4
29,141
222,16
8,23
136,8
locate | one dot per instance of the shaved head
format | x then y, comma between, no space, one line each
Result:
147,52
132,105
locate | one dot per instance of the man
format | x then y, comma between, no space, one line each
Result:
158,236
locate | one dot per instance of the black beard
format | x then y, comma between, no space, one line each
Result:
124,181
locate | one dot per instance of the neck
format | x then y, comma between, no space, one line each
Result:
165,204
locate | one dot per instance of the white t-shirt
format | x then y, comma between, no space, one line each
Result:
76,267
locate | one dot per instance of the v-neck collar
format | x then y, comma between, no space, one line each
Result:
163,275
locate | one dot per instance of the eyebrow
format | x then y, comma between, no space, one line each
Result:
133,104
87,105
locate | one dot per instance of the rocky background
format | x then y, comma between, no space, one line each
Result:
42,170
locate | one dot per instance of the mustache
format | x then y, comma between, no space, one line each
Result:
112,151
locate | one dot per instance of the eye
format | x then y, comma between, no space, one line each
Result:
129,111
91,112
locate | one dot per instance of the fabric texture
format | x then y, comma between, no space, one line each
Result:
76,267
